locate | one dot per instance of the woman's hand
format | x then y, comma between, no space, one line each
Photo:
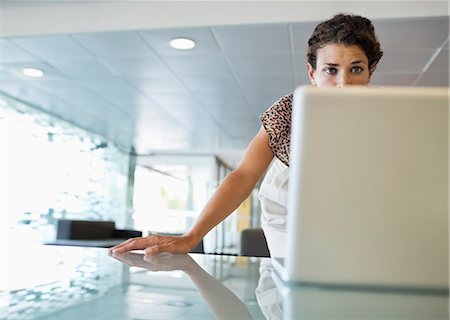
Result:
153,245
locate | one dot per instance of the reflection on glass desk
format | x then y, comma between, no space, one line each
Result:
50,282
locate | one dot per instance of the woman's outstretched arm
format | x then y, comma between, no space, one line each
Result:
233,190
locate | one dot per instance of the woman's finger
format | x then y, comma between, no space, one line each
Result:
132,244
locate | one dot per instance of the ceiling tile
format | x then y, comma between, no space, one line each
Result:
118,92
276,84
261,101
379,79
59,87
441,63
5,76
86,68
301,32
35,97
52,47
262,64
13,54
300,64
186,112
114,44
404,61
412,34
128,102
220,99
215,84
159,84
245,39
167,128
106,85
235,114
302,79
159,40
434,80
241,130
15,69
178,98
138,67
198,65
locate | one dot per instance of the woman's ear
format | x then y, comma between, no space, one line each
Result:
311,74
371,70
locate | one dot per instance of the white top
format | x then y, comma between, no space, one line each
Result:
273,196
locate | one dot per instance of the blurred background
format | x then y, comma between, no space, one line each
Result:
102,119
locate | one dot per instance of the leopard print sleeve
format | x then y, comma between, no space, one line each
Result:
277,123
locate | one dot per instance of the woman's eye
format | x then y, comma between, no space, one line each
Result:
330,70
357,70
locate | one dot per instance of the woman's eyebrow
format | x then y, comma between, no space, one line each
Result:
358,61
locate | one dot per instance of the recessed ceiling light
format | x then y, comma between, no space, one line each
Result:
33,72
182,43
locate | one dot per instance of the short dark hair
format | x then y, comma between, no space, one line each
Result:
346,29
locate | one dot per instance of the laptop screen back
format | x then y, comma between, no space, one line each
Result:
368,188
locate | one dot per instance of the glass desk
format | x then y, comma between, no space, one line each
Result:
53,282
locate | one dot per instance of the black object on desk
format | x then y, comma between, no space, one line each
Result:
91,233
253,243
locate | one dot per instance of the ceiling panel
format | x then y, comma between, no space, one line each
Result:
261,101
276,84
227,99
262,64
114,44
198,65
53,47
149,66
25,92
159,40
157,84
404,61
13,54
6,76
235,115
441,62
195,114
301,32
300,64
15,69
83,68
253,39
178,98
58,87
434,80
220,84
412,34
381,79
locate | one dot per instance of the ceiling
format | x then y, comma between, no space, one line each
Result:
133,88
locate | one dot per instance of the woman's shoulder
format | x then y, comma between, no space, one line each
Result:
282,107
277,122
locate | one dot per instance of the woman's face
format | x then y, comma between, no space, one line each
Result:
338,66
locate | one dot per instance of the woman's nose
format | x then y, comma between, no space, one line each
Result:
343,80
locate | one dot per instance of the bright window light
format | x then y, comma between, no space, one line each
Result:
182,43
33,72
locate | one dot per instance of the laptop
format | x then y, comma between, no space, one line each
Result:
368,188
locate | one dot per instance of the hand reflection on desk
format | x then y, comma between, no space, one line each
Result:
222,301
161,262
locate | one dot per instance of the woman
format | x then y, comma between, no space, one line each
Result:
341,51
